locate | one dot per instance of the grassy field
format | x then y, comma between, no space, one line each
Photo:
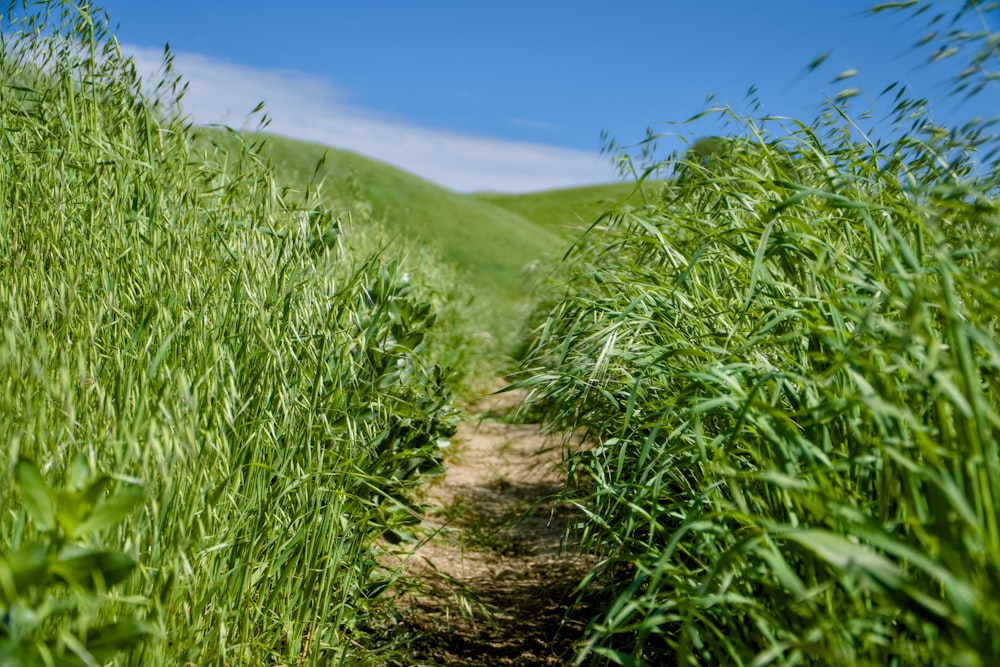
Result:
227,367
786,371
217,398
567,211
498,240
494,246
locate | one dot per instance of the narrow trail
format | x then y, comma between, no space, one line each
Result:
495,578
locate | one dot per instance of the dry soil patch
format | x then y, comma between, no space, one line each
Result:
496,578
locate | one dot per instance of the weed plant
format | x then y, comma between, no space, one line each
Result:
786,365
169,315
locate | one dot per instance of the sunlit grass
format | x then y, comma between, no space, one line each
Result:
168,313
566,210
785,358
787,368
492,246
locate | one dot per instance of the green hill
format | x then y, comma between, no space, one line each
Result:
493,237
564,211
492,243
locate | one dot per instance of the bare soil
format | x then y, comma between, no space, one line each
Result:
495,577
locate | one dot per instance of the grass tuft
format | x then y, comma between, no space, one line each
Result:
263,364
786,367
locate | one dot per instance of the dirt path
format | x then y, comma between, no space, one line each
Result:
495,578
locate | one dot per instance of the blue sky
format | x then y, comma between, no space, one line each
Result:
514,95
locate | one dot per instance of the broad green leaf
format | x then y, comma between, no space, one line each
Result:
95,489
77,473
22,569
92,569
103,642
36,494
71,509
112,511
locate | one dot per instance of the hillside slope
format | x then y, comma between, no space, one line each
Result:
492,243
495,238
564,211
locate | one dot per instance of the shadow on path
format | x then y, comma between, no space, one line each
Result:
496,578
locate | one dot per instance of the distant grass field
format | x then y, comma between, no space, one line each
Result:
493,244
565,211
497,239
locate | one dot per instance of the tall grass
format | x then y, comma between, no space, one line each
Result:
787,368
470,330
168,314
491,244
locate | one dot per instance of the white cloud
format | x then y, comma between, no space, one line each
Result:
312,108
